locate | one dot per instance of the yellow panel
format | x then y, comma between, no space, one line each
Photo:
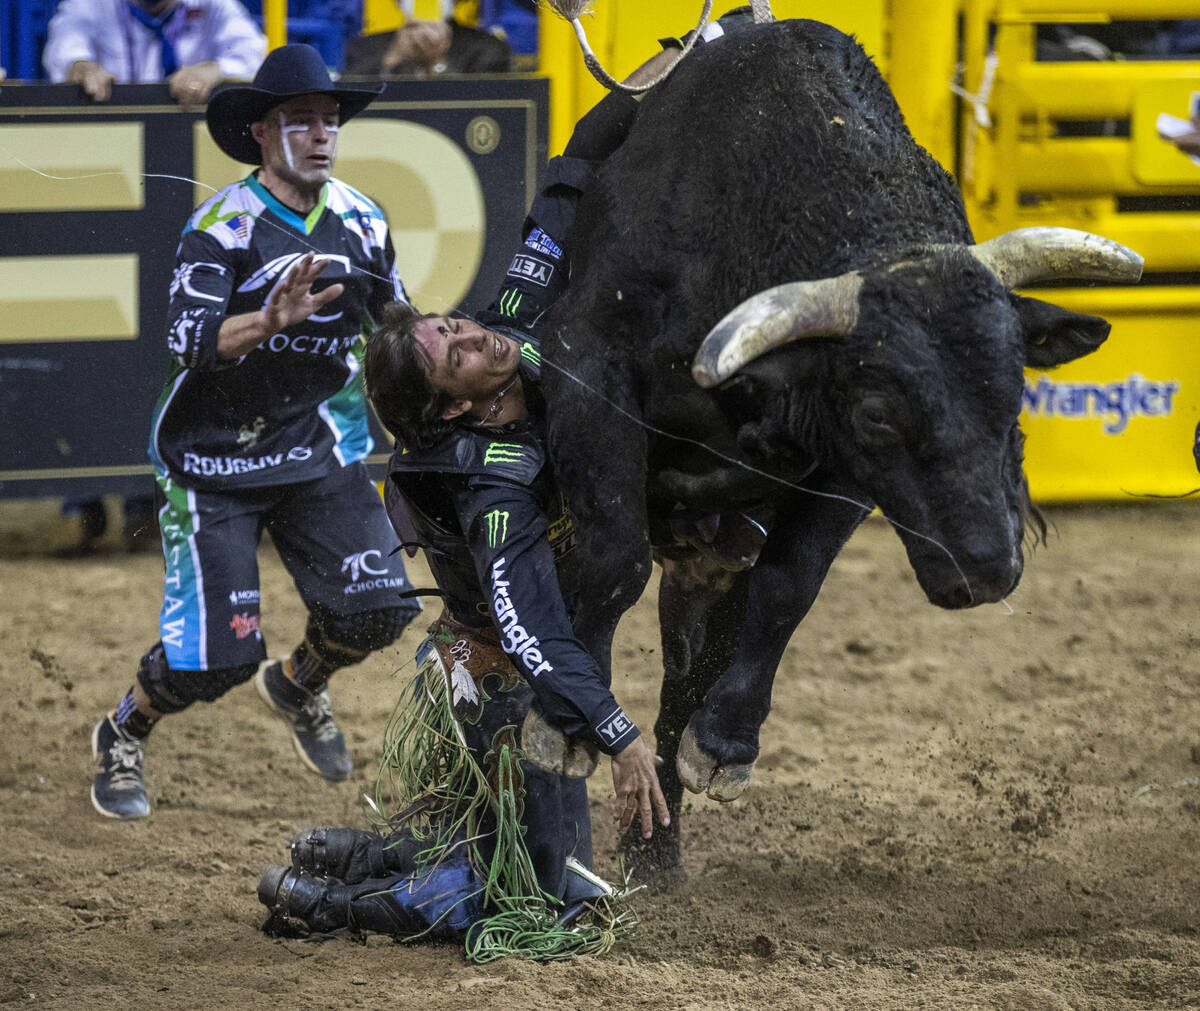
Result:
69,298
1119,422
922,44
385,15
1074,165
381,16
71,167
275,22
1094,90
1099,10
1157,162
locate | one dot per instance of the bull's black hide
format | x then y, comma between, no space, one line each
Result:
772,156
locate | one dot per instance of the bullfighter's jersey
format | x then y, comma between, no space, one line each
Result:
292,409
498,537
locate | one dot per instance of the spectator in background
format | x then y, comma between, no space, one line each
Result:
192,45
517,21
421,48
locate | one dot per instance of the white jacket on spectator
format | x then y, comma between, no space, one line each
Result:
105,32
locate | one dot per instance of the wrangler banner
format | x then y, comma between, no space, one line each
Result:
1118,424
93,198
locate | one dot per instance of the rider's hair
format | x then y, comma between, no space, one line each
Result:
397,383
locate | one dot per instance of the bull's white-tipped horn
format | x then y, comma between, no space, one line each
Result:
772,318
1029,255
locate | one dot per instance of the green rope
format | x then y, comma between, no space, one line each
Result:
534,933
436,790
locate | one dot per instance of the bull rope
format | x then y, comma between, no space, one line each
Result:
572,10
762,11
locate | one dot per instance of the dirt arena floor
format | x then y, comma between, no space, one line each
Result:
990,809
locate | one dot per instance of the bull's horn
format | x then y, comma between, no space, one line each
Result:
1028,255
824,308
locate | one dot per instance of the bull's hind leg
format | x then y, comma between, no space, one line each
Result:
718,749
700,609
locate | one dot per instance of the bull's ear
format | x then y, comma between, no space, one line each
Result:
1054,335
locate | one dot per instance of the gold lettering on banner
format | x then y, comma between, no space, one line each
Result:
69,298
96,167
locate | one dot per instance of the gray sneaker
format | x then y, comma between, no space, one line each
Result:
117,788
317,739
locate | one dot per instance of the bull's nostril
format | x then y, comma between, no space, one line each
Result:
962,596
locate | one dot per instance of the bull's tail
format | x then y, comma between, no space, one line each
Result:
573,10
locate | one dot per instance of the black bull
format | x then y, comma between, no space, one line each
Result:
769,158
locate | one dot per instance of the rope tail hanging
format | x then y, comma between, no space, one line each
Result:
762,11
573,10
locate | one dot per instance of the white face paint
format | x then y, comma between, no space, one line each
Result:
286,129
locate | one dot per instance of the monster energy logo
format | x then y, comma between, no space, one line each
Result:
503,452
497,527
531,355
509,302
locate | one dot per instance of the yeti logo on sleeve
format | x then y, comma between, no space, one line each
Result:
531,268
497,527
614,727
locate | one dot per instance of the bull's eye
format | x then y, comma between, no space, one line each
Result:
875,423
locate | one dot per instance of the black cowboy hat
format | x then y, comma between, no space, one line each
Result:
287,72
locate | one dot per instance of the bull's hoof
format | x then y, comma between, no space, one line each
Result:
729,782
702,774
553,751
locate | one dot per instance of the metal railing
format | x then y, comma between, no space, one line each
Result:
1071,143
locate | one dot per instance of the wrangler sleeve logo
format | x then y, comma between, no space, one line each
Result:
515,641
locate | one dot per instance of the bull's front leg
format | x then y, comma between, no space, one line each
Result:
721,743
700,608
